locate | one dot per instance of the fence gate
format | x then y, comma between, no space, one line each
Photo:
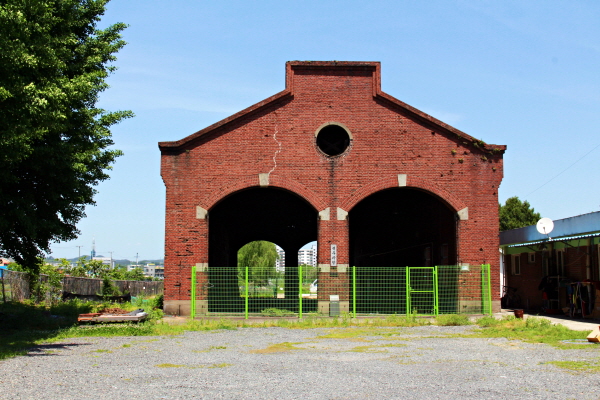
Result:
422,290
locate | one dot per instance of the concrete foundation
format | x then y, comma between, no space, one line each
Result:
178,307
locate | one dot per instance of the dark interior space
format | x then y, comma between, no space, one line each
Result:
393,229
270,214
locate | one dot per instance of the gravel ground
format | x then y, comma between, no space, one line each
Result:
276,363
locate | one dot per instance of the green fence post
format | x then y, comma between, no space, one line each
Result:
436,304
489,289
300,290
408,305
246,295
193,294
354,290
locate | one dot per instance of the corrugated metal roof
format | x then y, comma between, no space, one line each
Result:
586,224
560,239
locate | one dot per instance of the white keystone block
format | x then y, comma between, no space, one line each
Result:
201,213
341,214
463,214
324,214
401,180
263,180
201,267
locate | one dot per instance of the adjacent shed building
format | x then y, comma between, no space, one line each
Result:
559,272
334,159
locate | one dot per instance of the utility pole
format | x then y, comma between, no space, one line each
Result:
136,259
111,261
79,257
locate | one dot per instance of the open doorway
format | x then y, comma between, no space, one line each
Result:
391,230
253,215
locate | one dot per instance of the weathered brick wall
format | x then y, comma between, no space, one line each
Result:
388,138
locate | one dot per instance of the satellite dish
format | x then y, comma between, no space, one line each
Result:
545,226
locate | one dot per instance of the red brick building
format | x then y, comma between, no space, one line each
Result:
331,158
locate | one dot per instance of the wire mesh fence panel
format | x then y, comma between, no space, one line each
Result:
265,291
256,291
225,288
446,289
15,286
464,289
309,283
379,290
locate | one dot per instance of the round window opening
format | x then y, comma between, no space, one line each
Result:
333,140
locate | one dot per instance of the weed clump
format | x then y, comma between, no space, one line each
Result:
452,320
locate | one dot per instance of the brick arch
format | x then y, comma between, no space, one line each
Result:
411,182
275,181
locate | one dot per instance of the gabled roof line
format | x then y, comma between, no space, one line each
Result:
377,94
428,119
231,118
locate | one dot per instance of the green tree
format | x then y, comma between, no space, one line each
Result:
54,141
136,274
260,257
517,214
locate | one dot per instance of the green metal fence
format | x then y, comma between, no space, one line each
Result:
444,289
447,289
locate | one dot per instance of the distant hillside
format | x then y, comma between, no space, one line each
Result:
116,261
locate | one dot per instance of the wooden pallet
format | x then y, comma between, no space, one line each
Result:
97,317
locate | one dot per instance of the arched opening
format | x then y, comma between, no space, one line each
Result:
258,214
391,230
261,274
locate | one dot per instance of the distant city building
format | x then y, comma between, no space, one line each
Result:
308,256
305,256
280,263
150,270
105,260
131,267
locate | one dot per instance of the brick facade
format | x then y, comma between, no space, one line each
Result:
273,145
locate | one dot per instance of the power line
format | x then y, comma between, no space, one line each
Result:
561,172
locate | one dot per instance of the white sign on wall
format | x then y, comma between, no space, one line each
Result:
334,255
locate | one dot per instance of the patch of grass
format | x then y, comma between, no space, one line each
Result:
350,333
102,351
25,325
277,312
452,320
592,367
277,348
531,330
211,348
168,365
221,365
375,348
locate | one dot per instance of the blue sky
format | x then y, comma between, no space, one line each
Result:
522,74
